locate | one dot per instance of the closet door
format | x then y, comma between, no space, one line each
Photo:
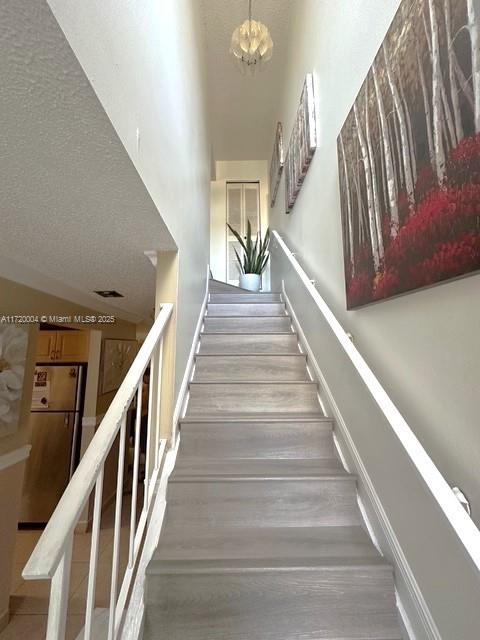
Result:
243,204
251,201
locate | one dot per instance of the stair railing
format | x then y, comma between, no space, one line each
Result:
456,515
52,556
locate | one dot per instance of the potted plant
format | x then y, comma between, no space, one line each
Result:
255,257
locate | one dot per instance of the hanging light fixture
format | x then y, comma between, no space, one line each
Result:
252,44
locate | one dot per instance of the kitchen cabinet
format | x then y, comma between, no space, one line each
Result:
62,346
46,341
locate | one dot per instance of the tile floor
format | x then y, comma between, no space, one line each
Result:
29,600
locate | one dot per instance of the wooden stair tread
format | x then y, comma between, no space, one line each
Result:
247,324
233,309
264,542
242,298
257,439
269,564
256,417
249,343
265,383
247,368
258,468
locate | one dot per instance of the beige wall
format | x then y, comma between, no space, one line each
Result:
11,480
241,170
167,292
19,299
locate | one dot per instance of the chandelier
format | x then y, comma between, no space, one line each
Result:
251,44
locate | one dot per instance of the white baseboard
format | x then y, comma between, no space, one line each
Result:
183,393
423,626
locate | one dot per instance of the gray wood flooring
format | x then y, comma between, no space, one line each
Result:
263,538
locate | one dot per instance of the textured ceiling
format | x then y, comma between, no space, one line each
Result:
72,206
242,108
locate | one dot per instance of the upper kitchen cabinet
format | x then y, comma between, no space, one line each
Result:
62,346
46,341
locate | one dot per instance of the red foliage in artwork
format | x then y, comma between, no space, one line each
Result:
359,289
464,163
438,239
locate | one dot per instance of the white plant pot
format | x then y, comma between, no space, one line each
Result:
250,281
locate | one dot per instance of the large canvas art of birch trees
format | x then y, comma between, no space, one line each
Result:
409,155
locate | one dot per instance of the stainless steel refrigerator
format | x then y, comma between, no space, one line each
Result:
55,423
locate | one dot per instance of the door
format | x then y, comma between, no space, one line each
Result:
48,470
243,205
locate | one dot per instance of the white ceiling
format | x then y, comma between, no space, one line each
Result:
73,209
241,107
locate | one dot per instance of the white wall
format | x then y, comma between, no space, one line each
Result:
240,171
423,346
144,60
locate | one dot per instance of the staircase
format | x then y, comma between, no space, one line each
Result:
263,538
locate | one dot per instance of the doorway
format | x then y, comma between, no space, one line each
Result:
243,206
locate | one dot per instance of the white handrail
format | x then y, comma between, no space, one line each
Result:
461,522
50,548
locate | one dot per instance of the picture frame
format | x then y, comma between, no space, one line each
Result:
117,358
13,357
302,144
409,158
277,163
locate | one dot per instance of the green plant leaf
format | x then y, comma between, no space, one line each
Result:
255,254
238,237
239,260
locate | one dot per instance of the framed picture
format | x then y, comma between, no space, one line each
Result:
117,358
409,156
302,144
13,356
276,165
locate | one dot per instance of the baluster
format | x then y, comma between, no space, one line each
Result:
92,571
151,418
117,531
58,605
157,401
136,464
